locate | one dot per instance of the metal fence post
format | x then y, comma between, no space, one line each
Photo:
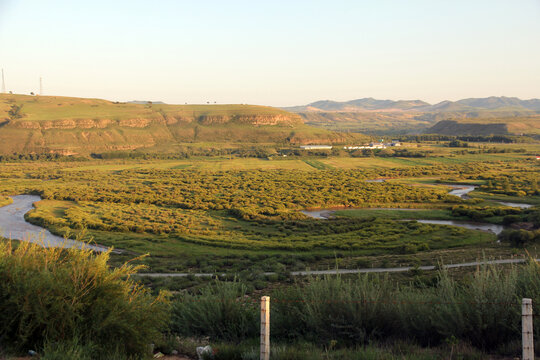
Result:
265,328
527,329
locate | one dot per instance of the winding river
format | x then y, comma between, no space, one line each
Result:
458,190
14,226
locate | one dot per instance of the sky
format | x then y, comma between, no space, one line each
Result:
278,53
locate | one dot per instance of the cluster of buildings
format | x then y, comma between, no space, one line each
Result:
374,145
368,146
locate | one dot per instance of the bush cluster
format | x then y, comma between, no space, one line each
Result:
483,310
69,300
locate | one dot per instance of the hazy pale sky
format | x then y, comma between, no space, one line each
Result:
272,52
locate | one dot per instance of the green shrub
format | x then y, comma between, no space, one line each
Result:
519,238
353,310
55,296
483,309
67,350
221,311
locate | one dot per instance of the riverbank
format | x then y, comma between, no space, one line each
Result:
13,225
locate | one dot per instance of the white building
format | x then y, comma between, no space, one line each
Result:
370,146
316,147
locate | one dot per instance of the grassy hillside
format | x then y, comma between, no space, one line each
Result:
77,125
488,126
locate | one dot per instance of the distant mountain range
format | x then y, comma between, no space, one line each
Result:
386,117
493,103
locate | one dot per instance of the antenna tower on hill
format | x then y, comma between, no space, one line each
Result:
3,82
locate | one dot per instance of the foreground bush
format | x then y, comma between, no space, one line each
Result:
68,298
483,309
221,311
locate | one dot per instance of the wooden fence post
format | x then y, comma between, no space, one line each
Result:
527,329
265,328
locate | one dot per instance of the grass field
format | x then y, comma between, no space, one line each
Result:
242,215
430,214
298,163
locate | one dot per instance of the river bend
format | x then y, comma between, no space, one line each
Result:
14,226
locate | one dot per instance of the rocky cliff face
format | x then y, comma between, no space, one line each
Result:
167,119
85,123
81,136
257,120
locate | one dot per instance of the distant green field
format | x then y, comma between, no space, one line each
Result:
319,165
535,200
413,214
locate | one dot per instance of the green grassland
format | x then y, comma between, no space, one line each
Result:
243,214
412,214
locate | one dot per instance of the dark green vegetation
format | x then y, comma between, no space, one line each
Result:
69,304
483,310
523,183
42,124
84,310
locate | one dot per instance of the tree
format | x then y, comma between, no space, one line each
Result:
15,112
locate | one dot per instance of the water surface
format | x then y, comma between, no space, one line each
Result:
14,226
517,205
495,229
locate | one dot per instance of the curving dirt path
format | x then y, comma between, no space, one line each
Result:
356,271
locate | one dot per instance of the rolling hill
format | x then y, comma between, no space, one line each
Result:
368,115
80,126
488,126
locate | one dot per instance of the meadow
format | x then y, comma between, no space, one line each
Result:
232,214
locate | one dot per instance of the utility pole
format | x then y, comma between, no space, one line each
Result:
40,86
3,83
